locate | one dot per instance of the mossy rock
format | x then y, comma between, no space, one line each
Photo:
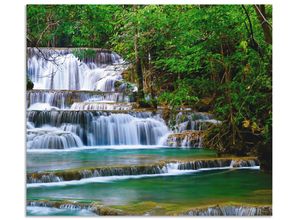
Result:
29,84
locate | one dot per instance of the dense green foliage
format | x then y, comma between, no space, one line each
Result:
212,58
69,25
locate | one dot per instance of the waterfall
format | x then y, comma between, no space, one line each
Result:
81,104
65,111
51,138
100,106
197,121
62,70
94,128
88,209
64,99
124,129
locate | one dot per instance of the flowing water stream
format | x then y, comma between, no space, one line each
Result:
86,142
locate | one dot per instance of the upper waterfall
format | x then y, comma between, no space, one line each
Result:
61,69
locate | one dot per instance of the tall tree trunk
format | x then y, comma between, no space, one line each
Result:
267,29
138,63
262,16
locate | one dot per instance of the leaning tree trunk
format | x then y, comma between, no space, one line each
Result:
262,16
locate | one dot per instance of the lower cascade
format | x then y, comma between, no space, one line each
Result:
231,210
39,138
162,168
218,210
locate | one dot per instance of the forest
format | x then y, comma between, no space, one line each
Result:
210,58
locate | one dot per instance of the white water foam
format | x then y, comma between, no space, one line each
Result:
41,211
42,107
109,147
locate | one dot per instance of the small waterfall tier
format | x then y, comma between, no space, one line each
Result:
64,99
62,69
51,138
88,208
103,127
186,121
101,106
188,129
161,168
185,139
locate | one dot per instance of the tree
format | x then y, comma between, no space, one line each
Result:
138,64
266,26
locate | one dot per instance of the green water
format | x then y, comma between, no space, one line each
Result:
246,186
41,161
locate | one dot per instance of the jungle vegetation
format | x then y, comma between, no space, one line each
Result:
213,58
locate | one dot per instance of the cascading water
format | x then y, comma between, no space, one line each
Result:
124,129
61,69
98,128
193,121
71,114
63,99
168,168
51,138
100,106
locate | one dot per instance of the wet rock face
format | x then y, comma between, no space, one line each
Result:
231,210
102,210
29,84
